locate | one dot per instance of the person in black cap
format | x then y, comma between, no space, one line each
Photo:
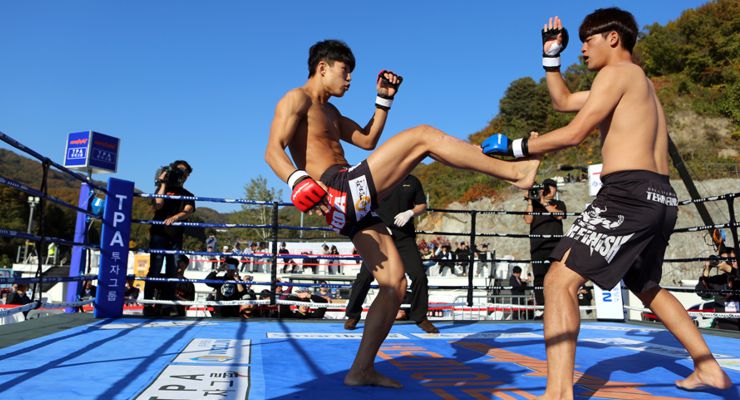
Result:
543,200
229,289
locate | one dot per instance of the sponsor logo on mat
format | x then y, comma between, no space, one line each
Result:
199,382
215,351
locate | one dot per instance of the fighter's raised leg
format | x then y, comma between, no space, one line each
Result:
395,159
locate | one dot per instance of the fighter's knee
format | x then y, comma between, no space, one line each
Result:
426,132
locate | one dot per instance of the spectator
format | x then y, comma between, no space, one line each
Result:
485,262
310,262
88,290
288,263
333,264
131,292
445,259
584,299
325,292
18,296
543,200
427,256
306,312
229,289
462,255
725,278
517,284
184,291
167,237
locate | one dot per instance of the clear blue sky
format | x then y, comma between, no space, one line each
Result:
198,80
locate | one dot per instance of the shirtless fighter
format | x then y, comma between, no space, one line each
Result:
312,128
624,232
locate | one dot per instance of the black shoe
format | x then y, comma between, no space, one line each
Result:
150,311
427,326
351,324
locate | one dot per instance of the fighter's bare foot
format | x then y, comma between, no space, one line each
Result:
702,379
525,171
370,378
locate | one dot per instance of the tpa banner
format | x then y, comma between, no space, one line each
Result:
115,234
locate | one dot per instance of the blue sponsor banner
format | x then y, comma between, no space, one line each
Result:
92,150
78,148
103,152
114,241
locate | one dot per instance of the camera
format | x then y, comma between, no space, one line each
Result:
534,192
173,176
714,261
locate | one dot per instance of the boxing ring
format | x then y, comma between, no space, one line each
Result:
111,355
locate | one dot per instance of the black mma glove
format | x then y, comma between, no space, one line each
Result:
551,48
385,100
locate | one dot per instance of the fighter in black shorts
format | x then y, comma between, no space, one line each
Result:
352,198
623,232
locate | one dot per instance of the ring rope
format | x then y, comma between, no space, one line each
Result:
211,199
706,228
45,279
34,238
709,198
35,305
28,190
731,315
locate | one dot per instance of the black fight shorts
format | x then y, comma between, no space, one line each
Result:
624,232
352,198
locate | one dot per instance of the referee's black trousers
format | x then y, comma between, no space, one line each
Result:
419,298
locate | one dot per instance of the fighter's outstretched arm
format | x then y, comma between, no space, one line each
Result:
607,89
288,114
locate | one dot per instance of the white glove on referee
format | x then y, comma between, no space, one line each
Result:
403,217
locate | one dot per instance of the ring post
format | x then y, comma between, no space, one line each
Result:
114,241
471,258
41,244
273,273
77,262
733,229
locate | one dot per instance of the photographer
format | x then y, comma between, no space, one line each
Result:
170,180
226,291
724,278
542,199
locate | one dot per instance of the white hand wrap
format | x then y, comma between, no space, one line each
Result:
551,62
383,102
295,176
517,149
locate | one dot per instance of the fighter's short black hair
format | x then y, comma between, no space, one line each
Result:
517,270
329,50
605,20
